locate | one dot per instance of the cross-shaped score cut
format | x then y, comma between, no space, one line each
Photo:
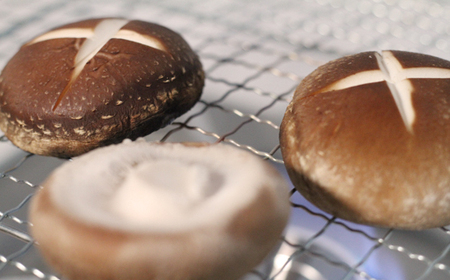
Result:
96,38
397,79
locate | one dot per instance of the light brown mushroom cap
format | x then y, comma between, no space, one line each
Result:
366,138
142,210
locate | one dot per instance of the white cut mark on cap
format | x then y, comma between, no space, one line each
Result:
398,80
133,36
96,38
399,86
63,33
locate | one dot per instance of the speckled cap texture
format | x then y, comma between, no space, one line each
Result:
126,90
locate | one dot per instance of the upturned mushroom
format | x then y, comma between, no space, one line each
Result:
166,211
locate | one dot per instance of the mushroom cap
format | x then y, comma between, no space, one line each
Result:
142,210
366,138
71,90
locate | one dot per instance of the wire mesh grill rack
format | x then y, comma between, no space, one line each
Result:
254,53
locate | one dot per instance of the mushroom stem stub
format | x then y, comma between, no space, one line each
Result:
152,193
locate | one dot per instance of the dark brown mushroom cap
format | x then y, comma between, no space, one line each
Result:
349,151
126,90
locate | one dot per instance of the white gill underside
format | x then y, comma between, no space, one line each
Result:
95,40
397,79
162,188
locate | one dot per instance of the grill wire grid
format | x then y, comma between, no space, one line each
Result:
254,54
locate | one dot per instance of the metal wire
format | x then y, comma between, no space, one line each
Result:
254,54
